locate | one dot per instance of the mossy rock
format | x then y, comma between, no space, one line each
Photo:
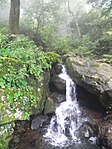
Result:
50,106
94,76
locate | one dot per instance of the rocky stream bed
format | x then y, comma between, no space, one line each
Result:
94,99
29,134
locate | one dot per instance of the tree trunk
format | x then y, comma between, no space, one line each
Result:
38,18
14,17
75,20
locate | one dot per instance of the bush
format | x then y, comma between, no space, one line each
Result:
84,47
56,43
63,44
21,59
107,58
104,45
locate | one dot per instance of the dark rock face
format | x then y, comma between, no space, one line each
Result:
105,134
57,87
59,84
88,130
58,68
58,97
95,77
38,121
53,101
50,106
25,138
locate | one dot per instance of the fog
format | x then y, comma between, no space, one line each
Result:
39,13
28,4
4,14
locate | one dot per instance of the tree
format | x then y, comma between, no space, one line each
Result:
40,13
14,17
99,2
74,20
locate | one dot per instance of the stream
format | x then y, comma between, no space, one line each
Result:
76,124
70,127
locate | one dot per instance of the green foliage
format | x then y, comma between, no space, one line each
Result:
107,58
104,45
20,60
84,47
21,42
5,135
52,57
48,34
22,65
3,39
54,41
63,44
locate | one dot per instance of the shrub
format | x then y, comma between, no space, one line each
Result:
104,45
21,59
84,46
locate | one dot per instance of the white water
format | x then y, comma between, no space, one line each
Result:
66,121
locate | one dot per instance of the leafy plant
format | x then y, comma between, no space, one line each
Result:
20,60
56,43
107,58
104,44
5,135
21,63
3,40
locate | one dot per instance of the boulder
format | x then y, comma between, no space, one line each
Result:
53,101
38,121
59,98
105,134
58,68
94,76
50,106
59,84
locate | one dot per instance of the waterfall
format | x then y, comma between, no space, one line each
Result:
62,128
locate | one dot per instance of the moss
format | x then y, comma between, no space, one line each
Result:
50,106
96,65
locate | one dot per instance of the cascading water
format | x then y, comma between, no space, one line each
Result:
67,119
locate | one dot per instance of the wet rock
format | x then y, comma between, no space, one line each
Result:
53,101
38,121
94,76
59,83
107,115
50,106
58,68
88,130
105,134
58,97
